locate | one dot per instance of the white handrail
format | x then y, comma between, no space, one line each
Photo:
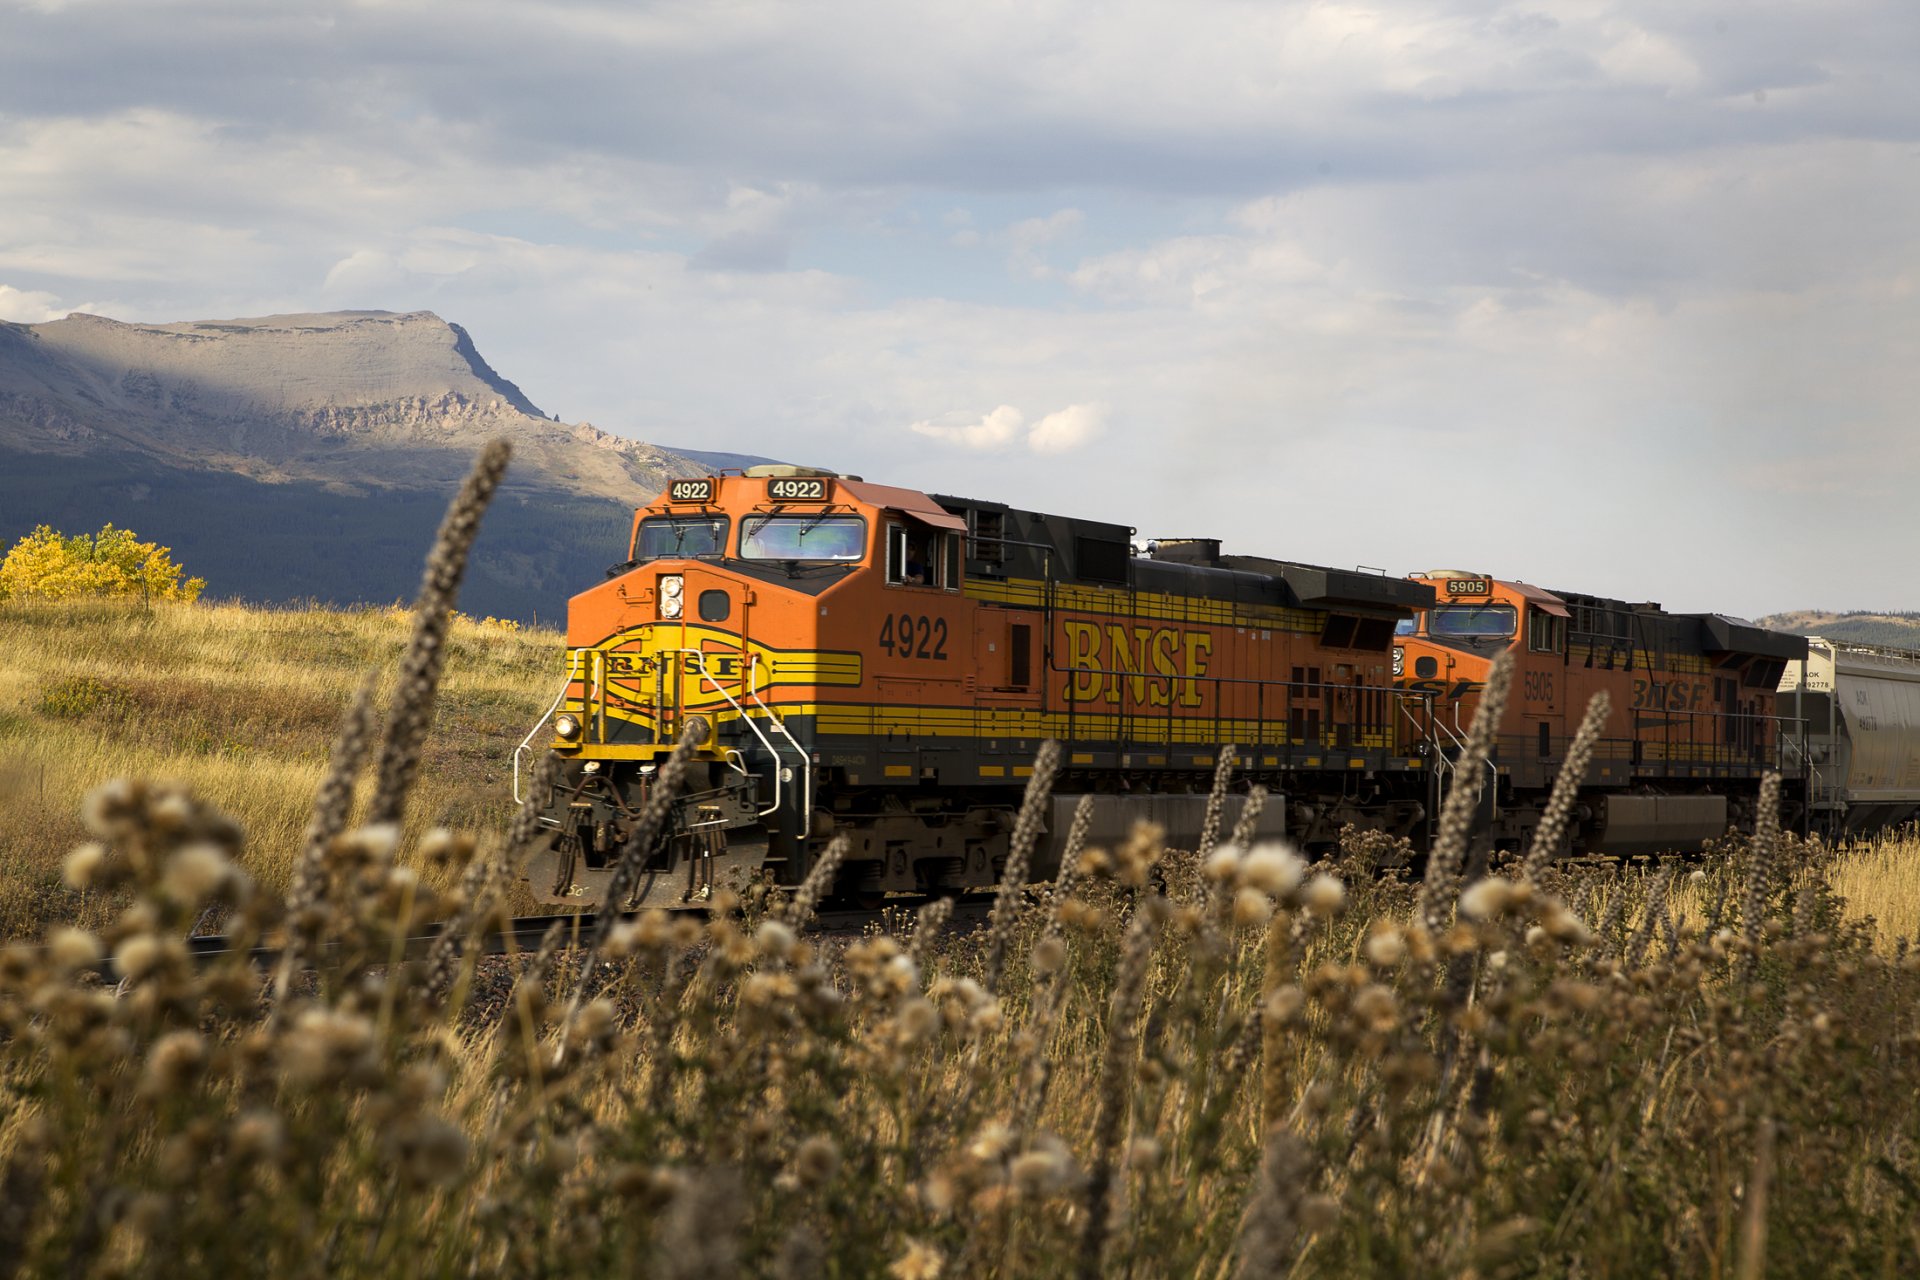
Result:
806,763
700,659
573,661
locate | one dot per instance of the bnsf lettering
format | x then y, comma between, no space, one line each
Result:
1661,695
793,490
1151,666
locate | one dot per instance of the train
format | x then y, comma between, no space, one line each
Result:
879,664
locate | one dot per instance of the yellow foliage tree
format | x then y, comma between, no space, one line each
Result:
114,562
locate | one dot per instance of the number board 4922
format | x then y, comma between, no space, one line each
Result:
690,491
797,489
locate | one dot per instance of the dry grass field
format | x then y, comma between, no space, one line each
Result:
1212,1063
239,706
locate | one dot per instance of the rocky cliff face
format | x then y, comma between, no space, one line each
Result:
364,399
309,456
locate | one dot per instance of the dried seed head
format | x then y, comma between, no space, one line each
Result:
1273,868
84,865
71,948
1050,954
174,1062
138,955
774,940
1046,1170
1564,926
1386,946
375,842
110,808
1223,864
1251,907
992,1143
1136,859
921,1261
194,873
1487,898
1323,895
1376,1007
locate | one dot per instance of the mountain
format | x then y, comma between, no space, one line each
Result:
309,456
1894,630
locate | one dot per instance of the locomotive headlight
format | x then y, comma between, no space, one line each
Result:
566,728
673,590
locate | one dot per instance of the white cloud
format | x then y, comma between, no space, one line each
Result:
29,307
994,431
1058,432
1068,429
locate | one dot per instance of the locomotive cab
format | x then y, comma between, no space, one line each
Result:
740,610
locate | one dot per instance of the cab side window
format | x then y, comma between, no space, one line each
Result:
916,557
1545,632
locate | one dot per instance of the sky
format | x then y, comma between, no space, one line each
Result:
1614,297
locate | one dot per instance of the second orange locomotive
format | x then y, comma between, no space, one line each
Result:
1693,722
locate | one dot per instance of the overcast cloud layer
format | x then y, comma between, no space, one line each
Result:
1610,296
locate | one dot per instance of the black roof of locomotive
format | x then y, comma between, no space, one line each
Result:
1096,553
1599,619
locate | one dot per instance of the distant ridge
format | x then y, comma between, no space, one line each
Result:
1895,630
718,461
376,399
309,455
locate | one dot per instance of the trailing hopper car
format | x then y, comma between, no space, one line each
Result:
883,663
1859,755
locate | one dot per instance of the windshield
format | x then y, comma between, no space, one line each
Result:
1471,620
817,537
681,537
1407,626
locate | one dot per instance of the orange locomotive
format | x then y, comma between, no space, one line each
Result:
882,663
1693,723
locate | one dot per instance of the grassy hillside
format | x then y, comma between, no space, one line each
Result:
240,705
301,541
1895,630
